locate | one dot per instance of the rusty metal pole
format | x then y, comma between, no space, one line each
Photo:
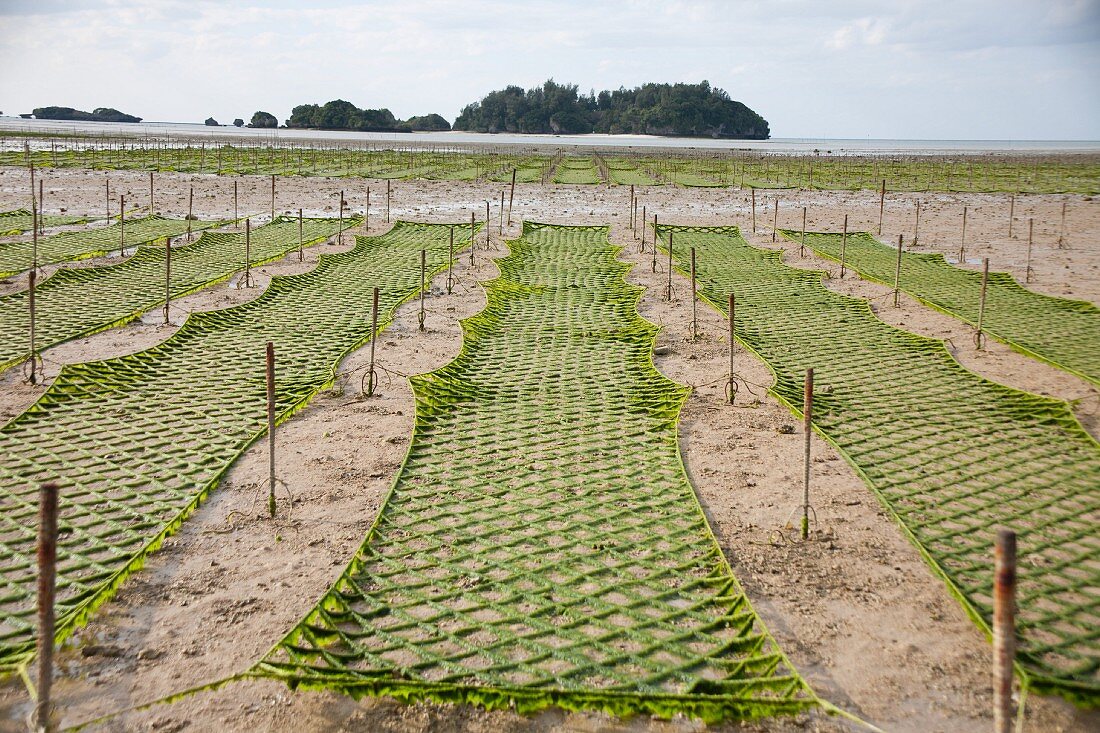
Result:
47,581
731,387
451,261
807,425
981,302
1030,236
423,278
843,246
1004,629
897,273
271,428
511,196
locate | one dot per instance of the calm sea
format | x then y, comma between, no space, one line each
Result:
775,145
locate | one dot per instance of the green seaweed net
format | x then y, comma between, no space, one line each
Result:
16,257
1062,332
137,442
542,544
79,302
954,456
21,220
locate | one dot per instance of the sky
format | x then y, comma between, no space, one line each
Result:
905,69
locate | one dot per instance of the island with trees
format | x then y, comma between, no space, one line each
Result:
692,110
99,114
342,115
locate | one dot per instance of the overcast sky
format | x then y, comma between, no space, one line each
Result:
932,69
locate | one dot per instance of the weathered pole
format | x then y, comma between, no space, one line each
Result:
47,582
1004,629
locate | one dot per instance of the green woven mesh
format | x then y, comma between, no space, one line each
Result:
21,220
137,442
542,544
577,170
79,302
1065,333
952,455
81,245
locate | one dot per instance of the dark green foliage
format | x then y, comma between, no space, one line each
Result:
264,119
341,115
238,122
99,114
210,122
695,110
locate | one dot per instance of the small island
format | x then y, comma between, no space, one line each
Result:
99,114
342,115
687,110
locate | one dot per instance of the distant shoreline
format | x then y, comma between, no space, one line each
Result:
197,131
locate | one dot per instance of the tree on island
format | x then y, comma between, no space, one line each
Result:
238,122
264,119
211,122
696,110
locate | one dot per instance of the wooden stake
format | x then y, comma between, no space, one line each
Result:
668,288
634,219
152,209
694,317
487,225
655,243
423,289
775,219
1030,233
108,182
981,301
630,207
473,231
47,582
236,219
34,235
500,221
32,279
1062,230
916,225
372,376
272,197
962,242
190,210
1004,629
843,246
807,427
644,220
41,206
511,196
731,387
366,214
301,238
340,225
1011,213
388,203
450,261
897,274
247,253
802,244
121,225
881,205
271,428
753,190
167,276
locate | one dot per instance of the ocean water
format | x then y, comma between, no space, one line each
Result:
198,131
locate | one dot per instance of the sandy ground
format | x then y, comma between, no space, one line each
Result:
855,608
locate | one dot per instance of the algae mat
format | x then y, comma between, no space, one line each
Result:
952,455
84,244
1062,332
21,220
541,544
79,302
137,442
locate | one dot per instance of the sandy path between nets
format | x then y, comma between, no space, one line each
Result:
855,608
